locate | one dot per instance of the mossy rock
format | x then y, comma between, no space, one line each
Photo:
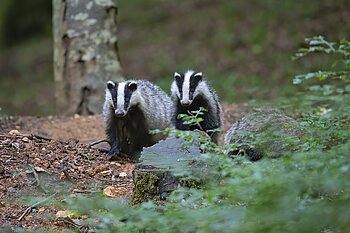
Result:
264,133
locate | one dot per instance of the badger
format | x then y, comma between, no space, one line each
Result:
130,110
189,92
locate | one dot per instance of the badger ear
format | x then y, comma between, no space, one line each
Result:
198,75
177,75
110,85
132,86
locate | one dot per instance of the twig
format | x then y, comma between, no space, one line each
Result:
98,142
69,221
85,191
30,208
65,172
36,177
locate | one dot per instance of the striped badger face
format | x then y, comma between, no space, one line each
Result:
186,85
121,96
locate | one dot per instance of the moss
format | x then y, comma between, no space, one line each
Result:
190,182
145,188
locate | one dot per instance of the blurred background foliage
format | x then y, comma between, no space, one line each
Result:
244,47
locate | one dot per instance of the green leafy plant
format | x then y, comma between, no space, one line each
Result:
340,69
306,190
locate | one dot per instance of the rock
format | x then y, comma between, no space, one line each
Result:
264,133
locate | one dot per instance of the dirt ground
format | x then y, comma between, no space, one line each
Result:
49,157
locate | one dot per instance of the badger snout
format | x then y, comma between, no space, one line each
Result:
186,102
119,113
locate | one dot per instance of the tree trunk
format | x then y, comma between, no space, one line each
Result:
85,53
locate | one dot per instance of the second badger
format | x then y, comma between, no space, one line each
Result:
130,110
189,92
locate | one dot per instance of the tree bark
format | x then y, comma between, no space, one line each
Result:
85,54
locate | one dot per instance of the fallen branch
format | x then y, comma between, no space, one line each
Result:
30,208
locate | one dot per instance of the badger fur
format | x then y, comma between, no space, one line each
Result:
130,110
189,92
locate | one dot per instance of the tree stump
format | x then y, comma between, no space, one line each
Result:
160,169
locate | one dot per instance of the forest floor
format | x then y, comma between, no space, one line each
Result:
44,160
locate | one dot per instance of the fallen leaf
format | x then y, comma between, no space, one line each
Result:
14,132
110,191
42,209
91,172
1,205
37,160
64,214
25,139
115,163
123,174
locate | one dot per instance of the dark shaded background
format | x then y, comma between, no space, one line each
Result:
244,47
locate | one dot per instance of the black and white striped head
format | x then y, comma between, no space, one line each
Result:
186,86
121,96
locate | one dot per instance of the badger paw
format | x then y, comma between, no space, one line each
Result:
113,154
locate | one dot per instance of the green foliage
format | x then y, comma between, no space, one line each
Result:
193,117
340,69
307,190
197,137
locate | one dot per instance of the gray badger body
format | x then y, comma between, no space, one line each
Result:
189,92
130,110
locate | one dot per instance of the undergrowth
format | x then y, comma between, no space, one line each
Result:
306,190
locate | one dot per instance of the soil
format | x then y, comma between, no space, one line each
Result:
53,157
